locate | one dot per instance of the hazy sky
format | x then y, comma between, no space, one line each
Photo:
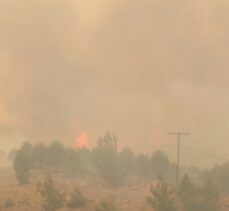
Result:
137,68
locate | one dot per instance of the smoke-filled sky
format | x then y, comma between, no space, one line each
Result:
137,68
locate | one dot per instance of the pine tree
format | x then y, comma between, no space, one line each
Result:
188,194
22,163
54,199
163,197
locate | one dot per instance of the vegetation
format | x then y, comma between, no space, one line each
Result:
9,203
107,204
159,164
126,160
77,199
209,196
188,196
141,166
54,198
22,163
195,197
162,197
106,160
220,175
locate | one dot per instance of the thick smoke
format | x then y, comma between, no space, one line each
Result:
138,68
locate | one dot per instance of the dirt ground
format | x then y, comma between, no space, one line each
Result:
131,197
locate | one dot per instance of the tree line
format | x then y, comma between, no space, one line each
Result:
105,161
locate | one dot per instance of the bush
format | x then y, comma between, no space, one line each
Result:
159,164
106,159
220,174
163,197
55,156
77,199
22,163
209,196
141,166
107,205
54,199
126,159
198,197
188,194
9,203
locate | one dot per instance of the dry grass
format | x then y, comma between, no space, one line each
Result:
131,197
26,198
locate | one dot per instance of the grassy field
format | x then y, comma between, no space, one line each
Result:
131,197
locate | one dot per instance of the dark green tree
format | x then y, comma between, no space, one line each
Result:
39,156
188,194
198,197
220,174
105,159
141,166
54,198
159,164
209,196
55,156
107,204
162,197
126,159
22,163
77,199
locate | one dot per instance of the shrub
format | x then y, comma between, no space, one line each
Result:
209,196
107,205
106,160
163,197
198,197
188,194
220,174
54,199
22,163
141,166
9,203
159,164
126,159
77,199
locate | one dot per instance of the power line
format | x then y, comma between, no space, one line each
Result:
209,154
149,146
205,153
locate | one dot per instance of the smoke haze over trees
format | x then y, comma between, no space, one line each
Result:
140,68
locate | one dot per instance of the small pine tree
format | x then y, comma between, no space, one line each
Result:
77,199
209,196
126,160
106,160
107,205
141,166
159,164
198,197
54,199
188,194
162,198
22,163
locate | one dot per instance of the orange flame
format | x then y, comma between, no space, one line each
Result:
82,141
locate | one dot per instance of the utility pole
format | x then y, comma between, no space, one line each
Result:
178,134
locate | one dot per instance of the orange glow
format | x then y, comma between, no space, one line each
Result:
82,141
